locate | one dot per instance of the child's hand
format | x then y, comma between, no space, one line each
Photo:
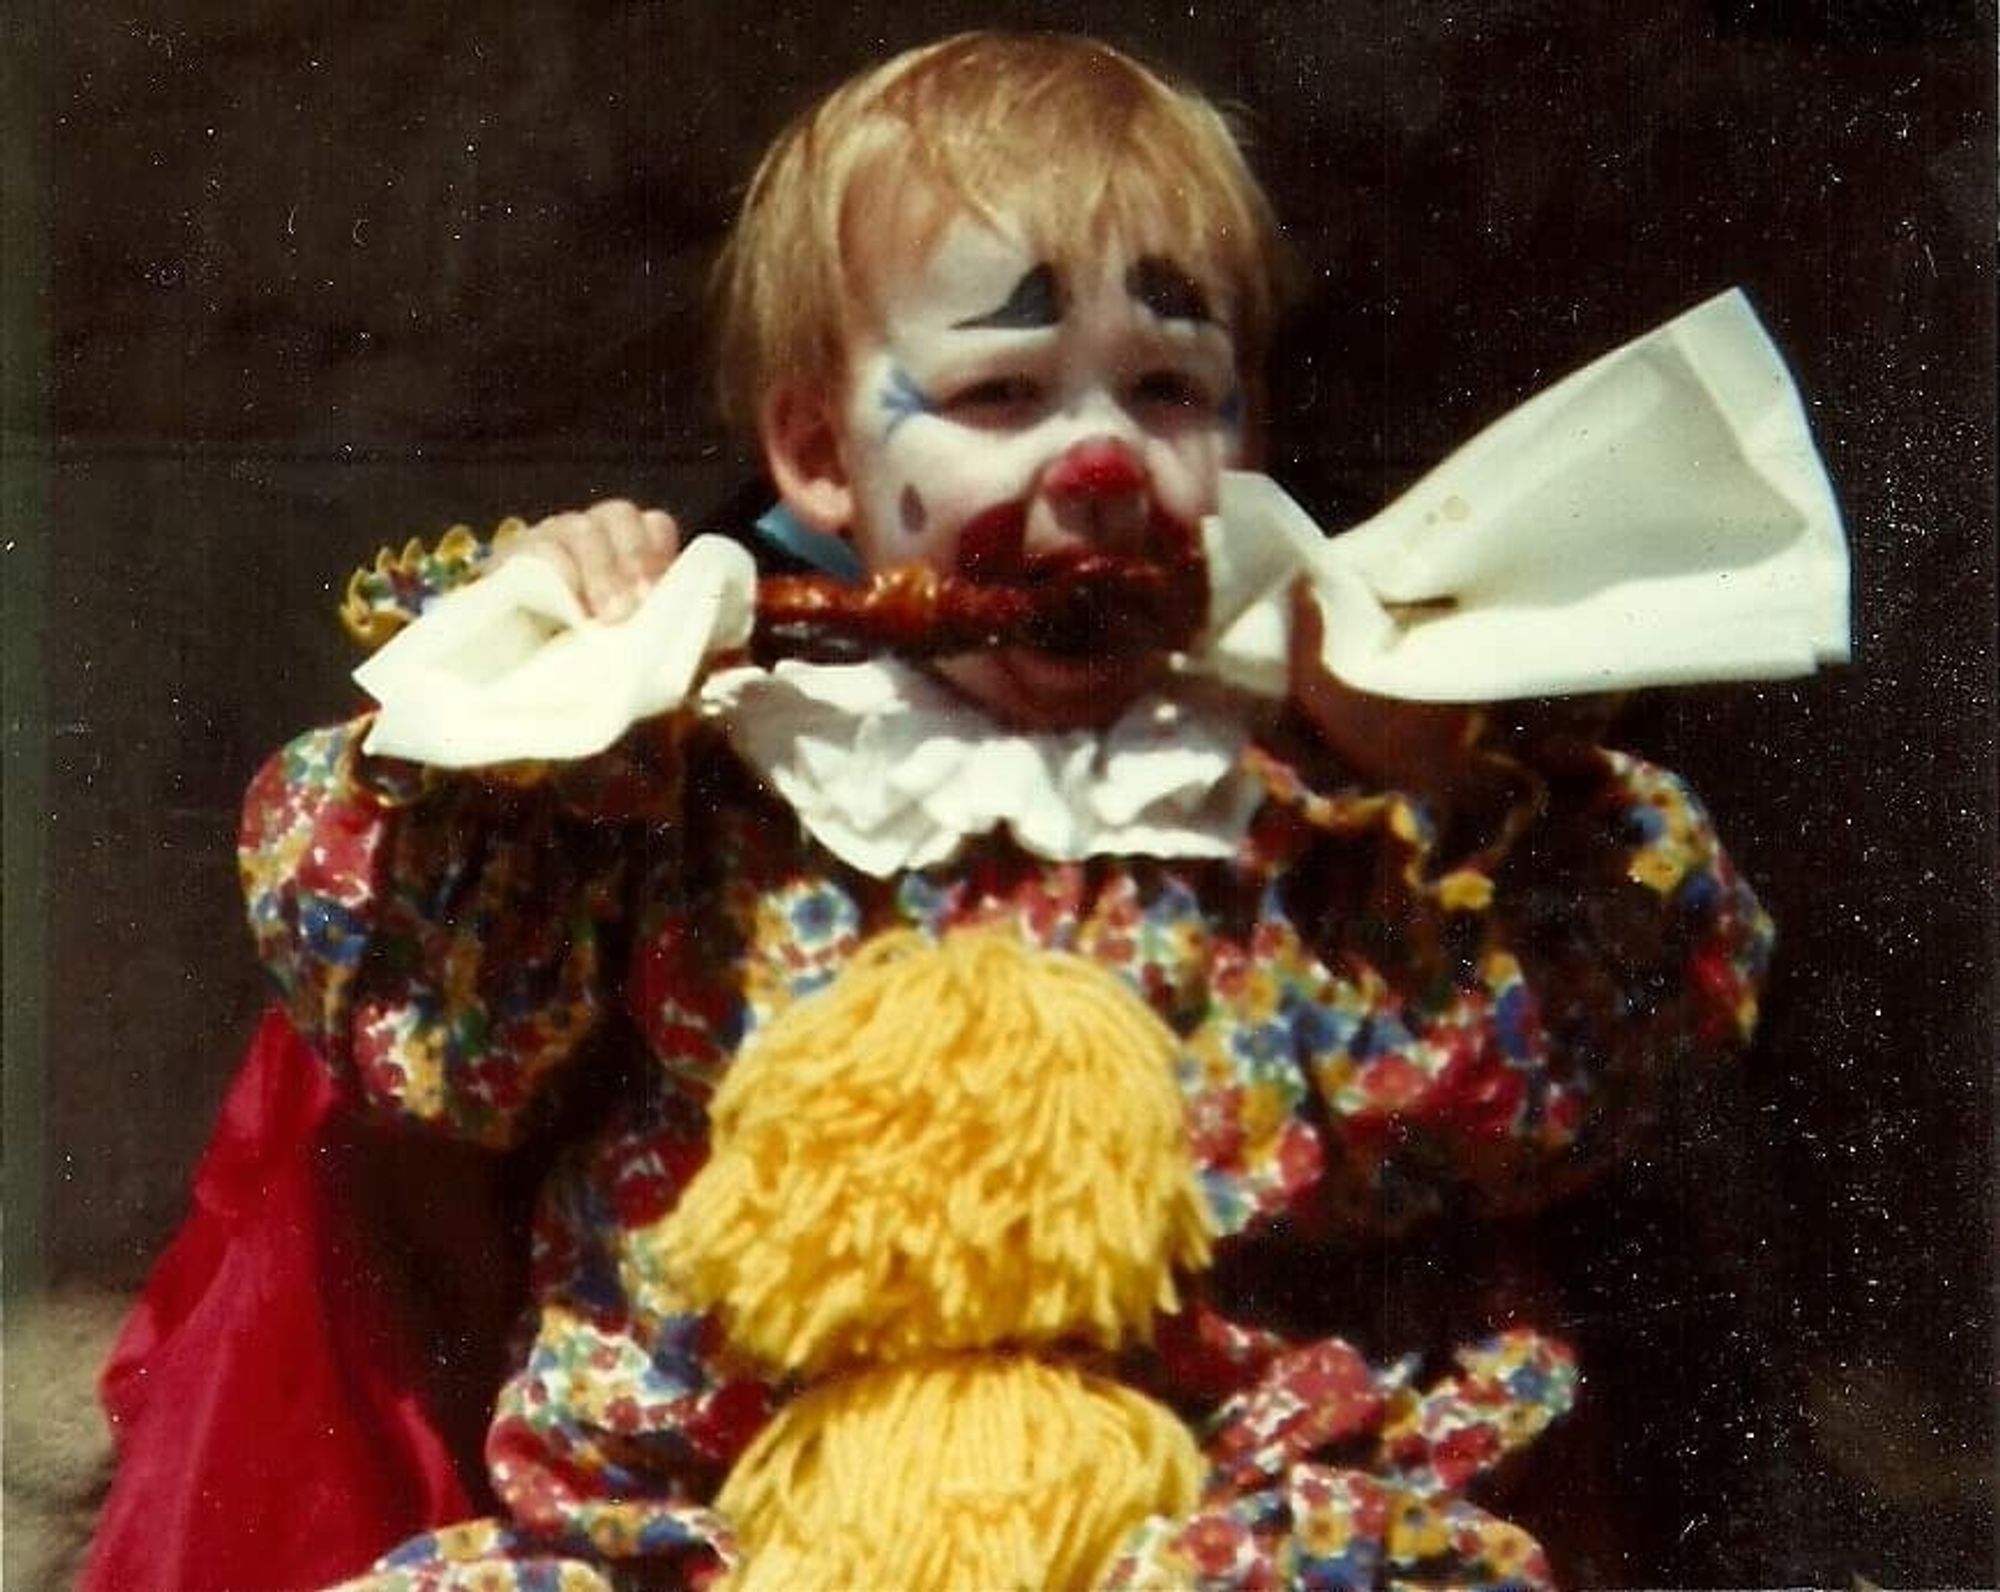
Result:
610,553
1424,748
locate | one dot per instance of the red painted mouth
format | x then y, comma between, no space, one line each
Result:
1075,601
993,546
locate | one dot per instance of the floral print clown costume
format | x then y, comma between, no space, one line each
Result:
1378,1023
1381,1011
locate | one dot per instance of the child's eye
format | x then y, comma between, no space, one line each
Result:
1170,389
994,398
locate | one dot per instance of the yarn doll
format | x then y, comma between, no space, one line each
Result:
944,1192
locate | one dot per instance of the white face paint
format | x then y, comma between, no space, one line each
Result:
999,408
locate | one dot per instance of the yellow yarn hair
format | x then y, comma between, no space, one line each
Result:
982,1473
958,1144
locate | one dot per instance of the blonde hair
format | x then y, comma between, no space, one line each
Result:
1067,138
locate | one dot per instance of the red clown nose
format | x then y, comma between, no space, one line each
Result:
1099,468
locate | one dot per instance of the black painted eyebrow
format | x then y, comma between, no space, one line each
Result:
1168,291
1035,301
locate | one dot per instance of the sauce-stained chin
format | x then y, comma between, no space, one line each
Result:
1069,602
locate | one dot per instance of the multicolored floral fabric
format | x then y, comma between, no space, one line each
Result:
1274,1517
1374,1033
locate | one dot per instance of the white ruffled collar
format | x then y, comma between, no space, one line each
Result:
889,769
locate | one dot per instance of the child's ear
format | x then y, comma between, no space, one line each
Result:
803,447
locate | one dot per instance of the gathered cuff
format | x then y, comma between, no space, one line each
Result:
1332,1472
384,596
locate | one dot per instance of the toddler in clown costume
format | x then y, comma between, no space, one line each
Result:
996,311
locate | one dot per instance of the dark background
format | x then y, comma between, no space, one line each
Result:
288,281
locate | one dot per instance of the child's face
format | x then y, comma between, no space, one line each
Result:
999,409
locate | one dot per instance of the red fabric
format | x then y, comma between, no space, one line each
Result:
296,1390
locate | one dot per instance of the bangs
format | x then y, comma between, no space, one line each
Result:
1082,150
1067,141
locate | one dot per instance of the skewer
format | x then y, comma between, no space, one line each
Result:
1075,605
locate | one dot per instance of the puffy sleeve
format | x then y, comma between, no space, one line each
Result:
445,940
1408,1031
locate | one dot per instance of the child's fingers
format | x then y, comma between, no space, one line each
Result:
622,552
644,541
593,541
609,554
550,541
